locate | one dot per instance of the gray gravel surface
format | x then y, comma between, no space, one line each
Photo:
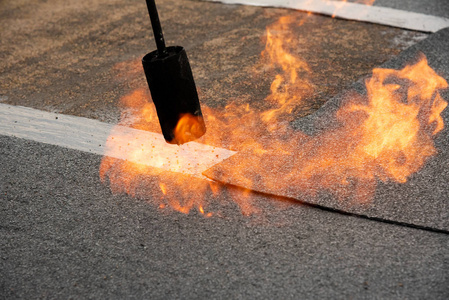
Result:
438,8
64,235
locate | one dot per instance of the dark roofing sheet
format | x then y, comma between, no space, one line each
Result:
422,201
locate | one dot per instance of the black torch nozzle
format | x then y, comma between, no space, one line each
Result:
172,88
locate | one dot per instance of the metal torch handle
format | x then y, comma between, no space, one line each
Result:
157,29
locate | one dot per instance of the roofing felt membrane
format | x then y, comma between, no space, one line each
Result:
422,201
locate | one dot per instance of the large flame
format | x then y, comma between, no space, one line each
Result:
288,87
401,119
387,135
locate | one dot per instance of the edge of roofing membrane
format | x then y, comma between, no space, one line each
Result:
423,201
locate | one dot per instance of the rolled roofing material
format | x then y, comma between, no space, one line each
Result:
423,201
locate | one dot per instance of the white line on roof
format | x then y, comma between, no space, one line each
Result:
357,12
106,139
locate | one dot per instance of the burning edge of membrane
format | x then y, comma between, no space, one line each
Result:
100,138
357,12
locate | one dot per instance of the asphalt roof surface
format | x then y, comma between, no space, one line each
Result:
421,201
65,234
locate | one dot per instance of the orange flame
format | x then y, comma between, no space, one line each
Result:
163,188
397,132
387,135
189,128
288,86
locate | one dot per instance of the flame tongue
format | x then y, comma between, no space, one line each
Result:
400,120
189,128
288,87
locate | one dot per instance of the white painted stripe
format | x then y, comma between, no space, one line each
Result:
357,12
120,142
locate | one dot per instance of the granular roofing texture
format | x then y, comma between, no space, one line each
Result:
422,201
63,234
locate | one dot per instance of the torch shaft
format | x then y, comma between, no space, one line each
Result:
157,29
